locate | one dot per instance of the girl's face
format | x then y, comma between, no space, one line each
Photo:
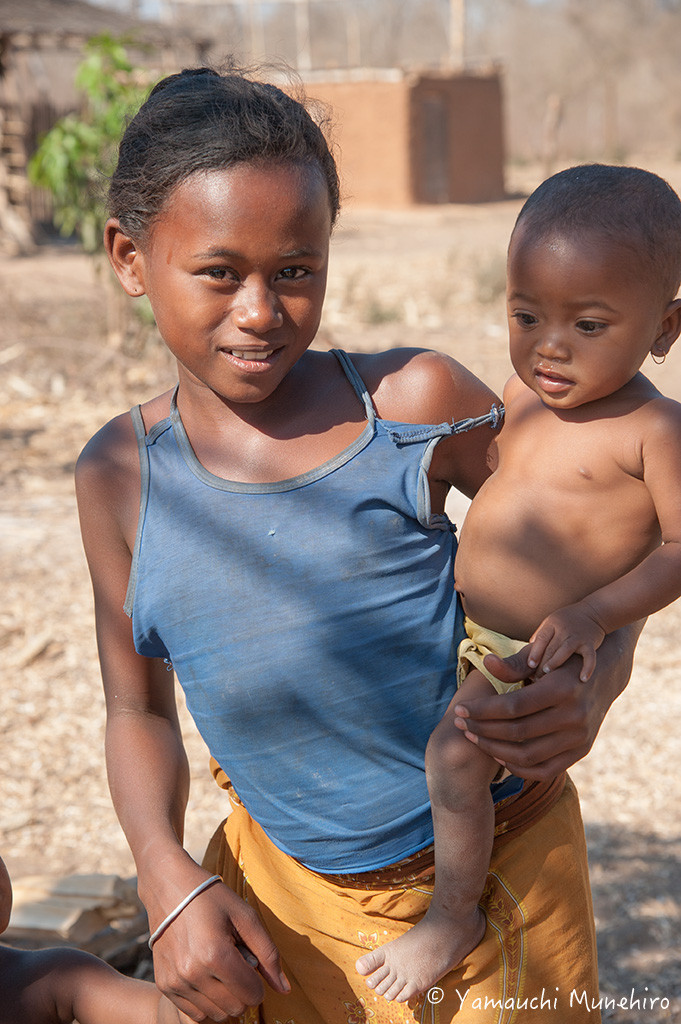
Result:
582,317
235,269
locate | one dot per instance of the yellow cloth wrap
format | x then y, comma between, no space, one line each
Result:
480,642
539,944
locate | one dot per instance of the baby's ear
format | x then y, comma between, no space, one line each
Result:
125,257
669,329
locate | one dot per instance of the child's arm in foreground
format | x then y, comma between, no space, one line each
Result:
100,995
651,585
196,960
56,986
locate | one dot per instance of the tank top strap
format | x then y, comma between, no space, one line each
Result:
357,383
141,436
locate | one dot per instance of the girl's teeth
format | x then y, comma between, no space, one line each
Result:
257,356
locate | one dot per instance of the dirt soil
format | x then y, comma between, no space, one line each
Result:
430,277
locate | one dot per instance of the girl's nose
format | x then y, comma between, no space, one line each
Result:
257,308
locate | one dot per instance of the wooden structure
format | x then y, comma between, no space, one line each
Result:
41,45
405,138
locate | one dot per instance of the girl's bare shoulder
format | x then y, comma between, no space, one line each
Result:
418,385
108,469
112,451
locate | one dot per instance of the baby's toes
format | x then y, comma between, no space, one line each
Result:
382,974
370,962
409,990
391,988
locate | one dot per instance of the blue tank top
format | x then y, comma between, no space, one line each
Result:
313,626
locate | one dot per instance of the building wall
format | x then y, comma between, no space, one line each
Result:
406,139
371,130
457,139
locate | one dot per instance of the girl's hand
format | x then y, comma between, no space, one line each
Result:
211,960
540,731
570,630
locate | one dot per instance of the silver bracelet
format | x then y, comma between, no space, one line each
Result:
180,907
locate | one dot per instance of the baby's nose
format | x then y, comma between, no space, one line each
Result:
553,344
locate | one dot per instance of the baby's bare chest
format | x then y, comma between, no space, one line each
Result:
579,480
572,456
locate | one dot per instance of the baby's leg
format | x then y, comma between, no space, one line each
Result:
458,775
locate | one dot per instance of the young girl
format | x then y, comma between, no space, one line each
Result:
275,529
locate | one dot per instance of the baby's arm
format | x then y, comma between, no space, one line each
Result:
652,584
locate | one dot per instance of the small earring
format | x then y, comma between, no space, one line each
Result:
659,359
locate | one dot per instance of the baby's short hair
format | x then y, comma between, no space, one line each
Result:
627,205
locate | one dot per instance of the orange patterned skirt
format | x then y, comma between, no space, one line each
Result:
536,962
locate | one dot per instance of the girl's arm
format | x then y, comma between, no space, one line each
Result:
656,581
196,960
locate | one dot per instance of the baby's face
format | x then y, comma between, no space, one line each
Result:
582,317
5,896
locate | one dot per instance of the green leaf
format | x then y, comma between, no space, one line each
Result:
80,150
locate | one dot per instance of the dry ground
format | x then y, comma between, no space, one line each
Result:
427,277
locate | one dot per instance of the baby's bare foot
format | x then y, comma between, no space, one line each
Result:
420,957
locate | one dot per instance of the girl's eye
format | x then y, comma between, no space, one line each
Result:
589,326
219,273
293,273
525,319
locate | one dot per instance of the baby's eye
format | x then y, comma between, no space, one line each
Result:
590,326
525,319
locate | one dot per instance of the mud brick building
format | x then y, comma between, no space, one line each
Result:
405,138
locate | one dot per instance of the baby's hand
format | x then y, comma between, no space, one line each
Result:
570,630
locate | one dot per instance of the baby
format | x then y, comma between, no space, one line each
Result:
582,512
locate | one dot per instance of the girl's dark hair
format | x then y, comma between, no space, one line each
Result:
201,120
628,206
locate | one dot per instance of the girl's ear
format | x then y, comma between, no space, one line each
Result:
125,257
669,329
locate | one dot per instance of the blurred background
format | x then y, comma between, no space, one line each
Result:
443,116
545,81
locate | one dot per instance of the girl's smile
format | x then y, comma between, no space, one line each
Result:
235,269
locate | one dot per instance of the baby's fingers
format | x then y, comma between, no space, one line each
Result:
557,653
539,642
588,654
